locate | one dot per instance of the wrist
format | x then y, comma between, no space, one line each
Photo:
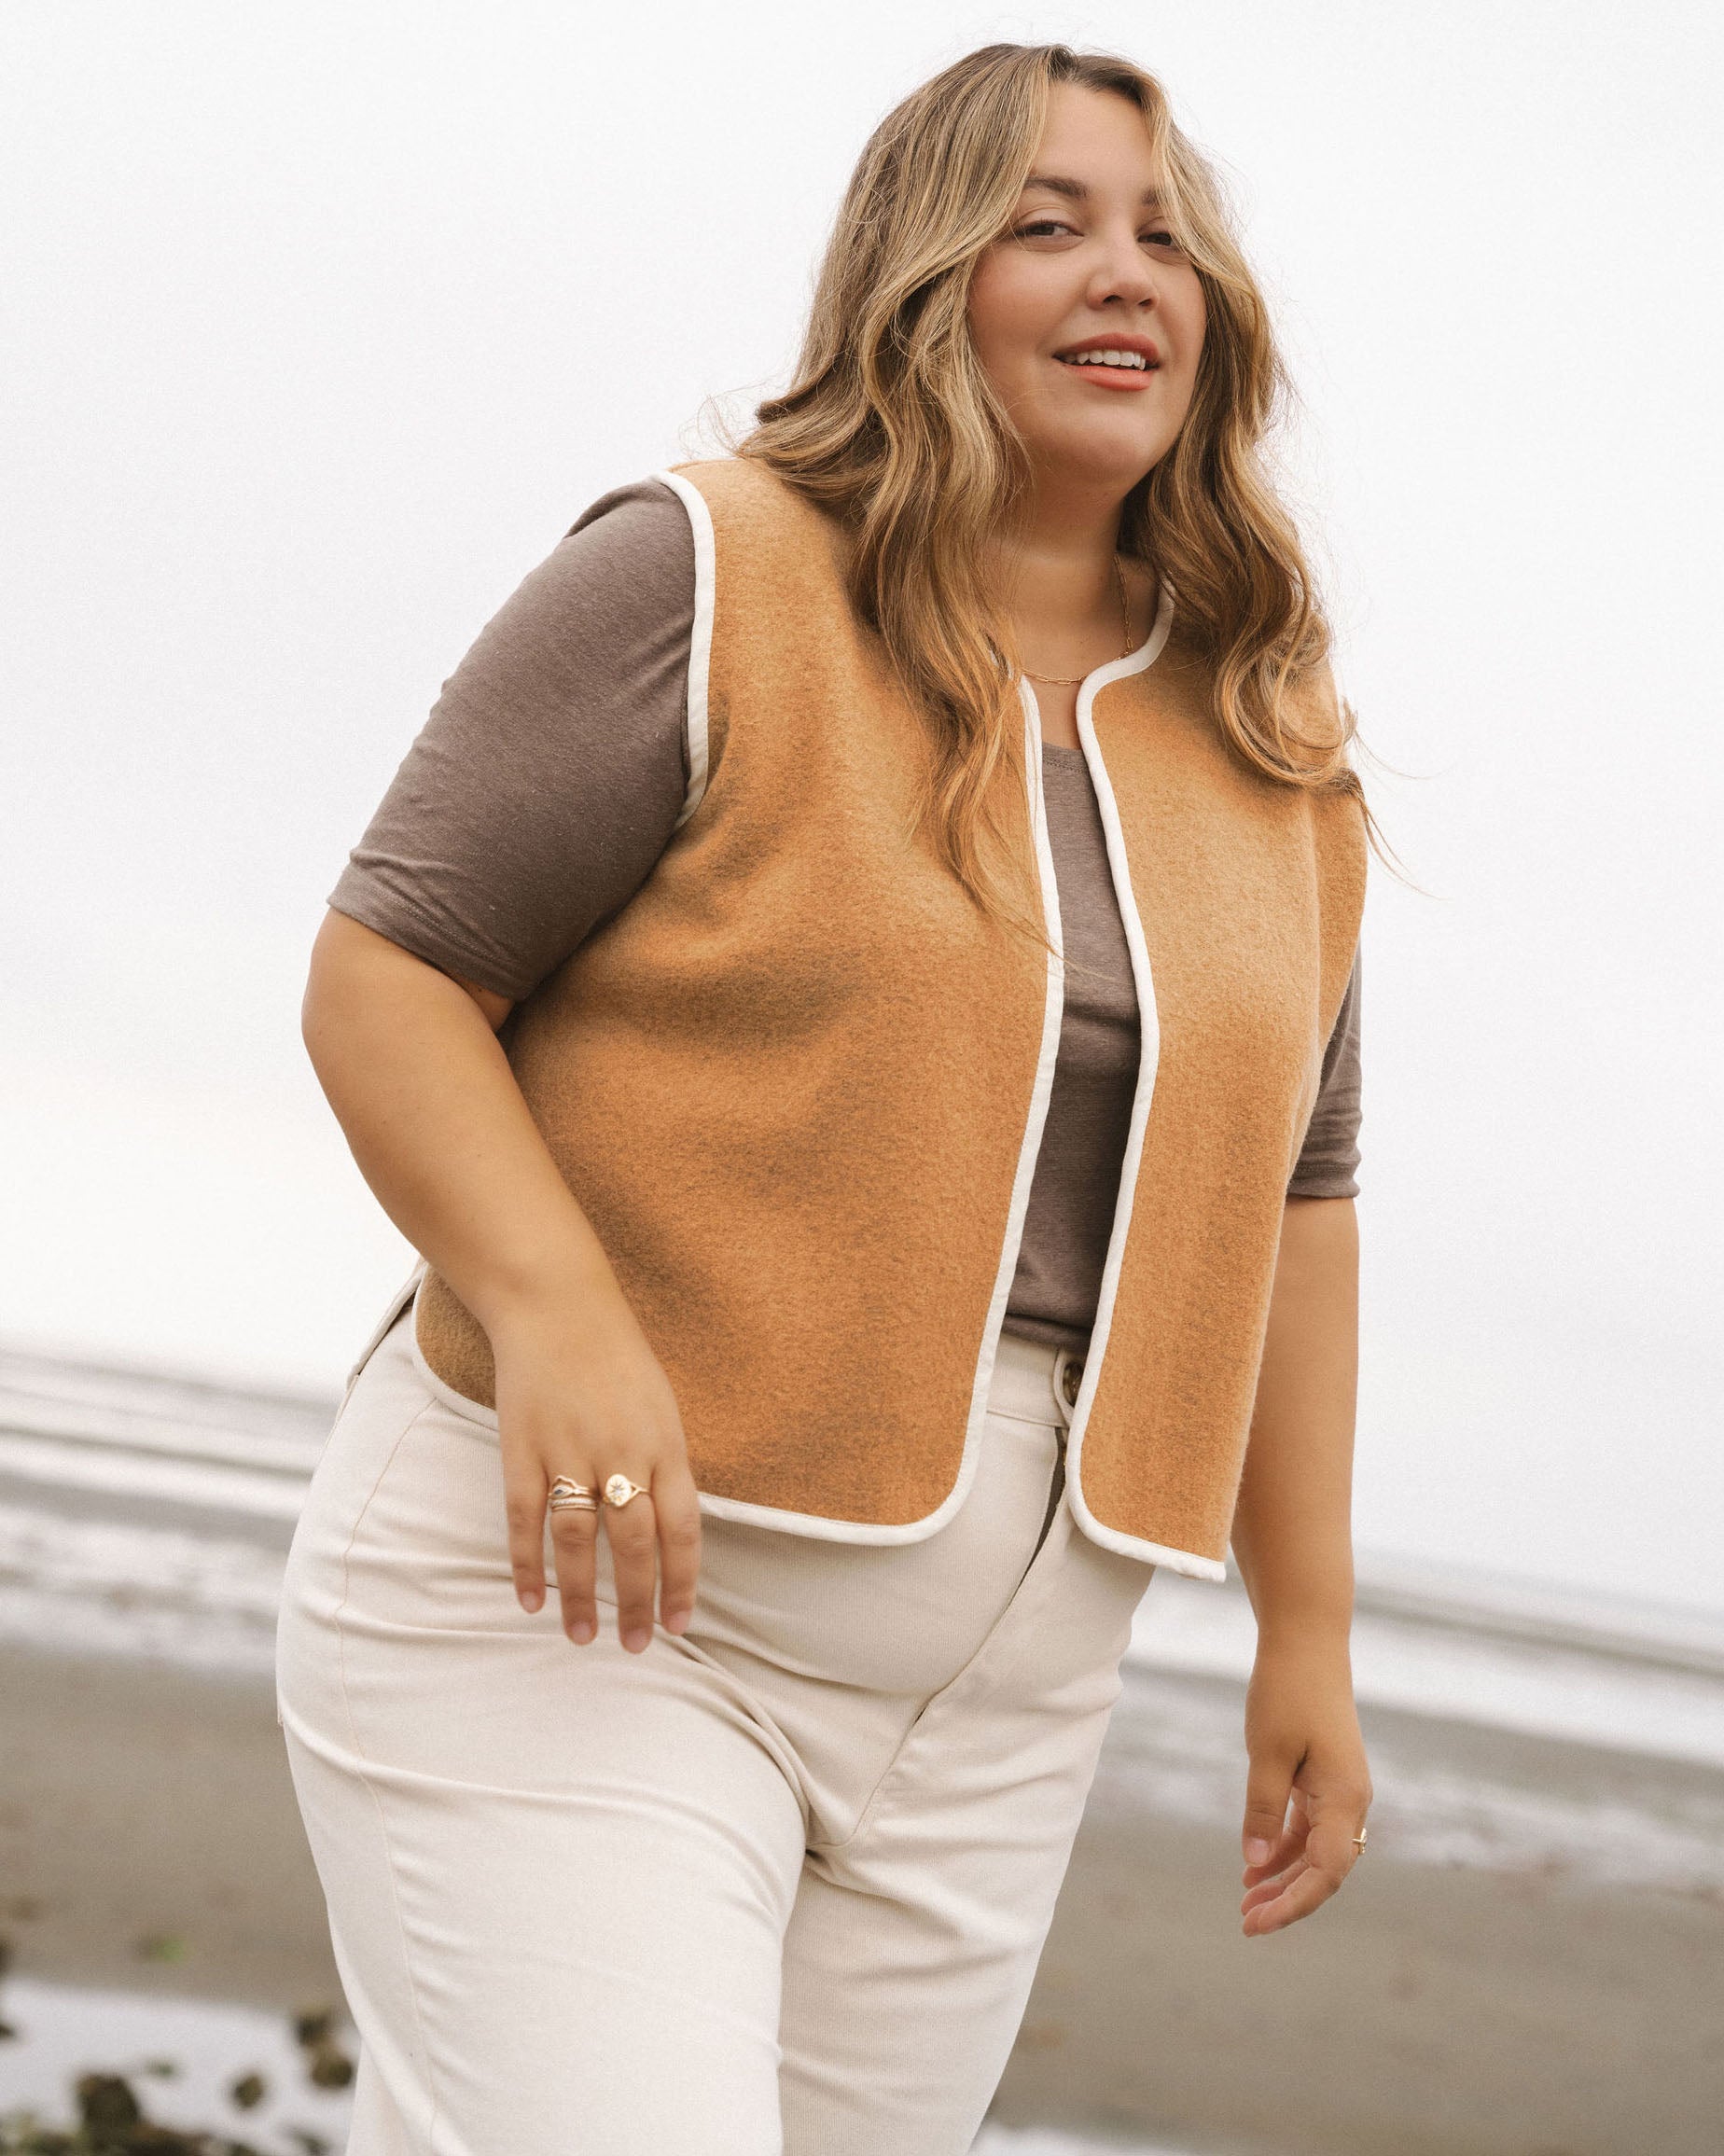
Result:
1299,1606
551,1299
1323,1633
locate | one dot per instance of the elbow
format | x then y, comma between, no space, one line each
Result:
328,987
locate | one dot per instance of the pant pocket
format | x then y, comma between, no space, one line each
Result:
397,1303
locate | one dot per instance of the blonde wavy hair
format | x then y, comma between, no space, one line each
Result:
892,423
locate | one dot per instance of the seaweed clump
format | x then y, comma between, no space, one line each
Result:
112,2120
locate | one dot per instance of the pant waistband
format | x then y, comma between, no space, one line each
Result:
1034,1381
1031,1379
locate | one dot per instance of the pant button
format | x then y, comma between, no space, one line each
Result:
1070,1382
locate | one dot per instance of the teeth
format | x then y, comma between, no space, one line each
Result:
1106,359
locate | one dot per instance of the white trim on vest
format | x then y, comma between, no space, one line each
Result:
1149,1038
700,641
1054,1015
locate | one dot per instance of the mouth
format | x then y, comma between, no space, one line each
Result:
1116,362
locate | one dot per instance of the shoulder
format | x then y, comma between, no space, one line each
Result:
635,543
618,588
640,510
742,498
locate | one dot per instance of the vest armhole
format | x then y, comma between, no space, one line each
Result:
700,640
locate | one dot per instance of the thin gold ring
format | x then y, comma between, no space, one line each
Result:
1358,1840
619,1491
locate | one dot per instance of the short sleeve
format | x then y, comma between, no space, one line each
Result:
547,779
1330,1154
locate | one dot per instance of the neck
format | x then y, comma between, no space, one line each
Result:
1057,574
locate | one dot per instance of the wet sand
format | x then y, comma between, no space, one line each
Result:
1510,2006
143,1805
1423,2011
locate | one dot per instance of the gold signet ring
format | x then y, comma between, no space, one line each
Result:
619,1489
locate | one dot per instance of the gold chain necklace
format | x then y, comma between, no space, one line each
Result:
1054,681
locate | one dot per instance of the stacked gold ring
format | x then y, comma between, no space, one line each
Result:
568,1495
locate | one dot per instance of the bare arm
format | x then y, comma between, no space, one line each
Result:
409,1062
1293,1540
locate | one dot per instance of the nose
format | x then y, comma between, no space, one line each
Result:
1123,273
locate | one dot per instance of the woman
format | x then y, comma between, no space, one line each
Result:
852,993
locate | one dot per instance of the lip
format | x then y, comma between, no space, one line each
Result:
1121,378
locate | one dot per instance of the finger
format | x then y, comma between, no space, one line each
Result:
633,1529
573,1538
1328,1816
525,1490
1268,1786
1330,1844
1308,1891
1267,1890
1328,1859
1288,1844
677,1504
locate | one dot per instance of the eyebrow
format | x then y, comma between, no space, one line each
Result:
1075,190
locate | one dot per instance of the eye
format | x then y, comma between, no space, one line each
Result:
1161,240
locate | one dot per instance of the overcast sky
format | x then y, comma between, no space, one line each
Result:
324,323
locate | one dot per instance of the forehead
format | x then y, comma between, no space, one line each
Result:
1093,141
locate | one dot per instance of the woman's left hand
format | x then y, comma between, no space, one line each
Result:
1303,1740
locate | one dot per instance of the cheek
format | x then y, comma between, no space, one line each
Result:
1005,318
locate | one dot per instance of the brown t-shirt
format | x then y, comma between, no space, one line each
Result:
545,784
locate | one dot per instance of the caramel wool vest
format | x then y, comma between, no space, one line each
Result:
798,1081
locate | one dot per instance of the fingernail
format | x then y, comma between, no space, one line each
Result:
634,1639
1257,1851
581,1631
678,1622
530,1597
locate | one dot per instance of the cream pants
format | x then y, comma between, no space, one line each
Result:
780,1884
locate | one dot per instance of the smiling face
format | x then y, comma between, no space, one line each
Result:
1086,266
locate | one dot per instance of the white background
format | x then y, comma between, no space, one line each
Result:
324,323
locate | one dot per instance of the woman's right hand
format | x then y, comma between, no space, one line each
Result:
590,1401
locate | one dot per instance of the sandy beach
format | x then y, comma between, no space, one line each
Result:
1528,1962
1509,2009
1428,2010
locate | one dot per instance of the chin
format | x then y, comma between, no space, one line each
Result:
1097,460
